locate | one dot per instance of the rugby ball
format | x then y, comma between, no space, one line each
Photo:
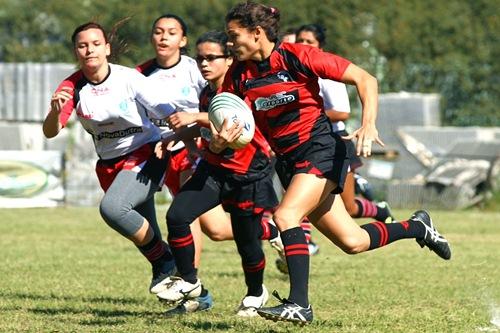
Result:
229,106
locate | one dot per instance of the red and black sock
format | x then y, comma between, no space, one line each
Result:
305,224
254,277
367,208
182,246
382,234
156,251
297,259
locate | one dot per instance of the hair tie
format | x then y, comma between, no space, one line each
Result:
273,10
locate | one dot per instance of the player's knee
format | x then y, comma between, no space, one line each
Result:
285,219
215,235
352,245
111,210
176,218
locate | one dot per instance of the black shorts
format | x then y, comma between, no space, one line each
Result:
324,156
237,197
351,151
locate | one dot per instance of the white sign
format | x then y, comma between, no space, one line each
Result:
31,178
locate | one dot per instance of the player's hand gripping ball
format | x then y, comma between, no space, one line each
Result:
234,109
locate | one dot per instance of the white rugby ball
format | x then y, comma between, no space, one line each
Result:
229,106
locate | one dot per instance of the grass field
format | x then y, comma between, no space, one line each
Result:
64,270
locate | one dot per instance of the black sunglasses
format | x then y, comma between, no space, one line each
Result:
209,58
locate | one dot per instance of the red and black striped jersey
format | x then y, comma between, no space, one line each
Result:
249,161
283,92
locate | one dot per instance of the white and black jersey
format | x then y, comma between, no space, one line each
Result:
114,110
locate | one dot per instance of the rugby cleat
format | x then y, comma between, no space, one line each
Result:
363,187
161,275
281,265
203,302
249,305
178,290
287,311
432,239
277,244
313,248
384,213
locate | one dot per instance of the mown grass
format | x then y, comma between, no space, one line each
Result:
64,270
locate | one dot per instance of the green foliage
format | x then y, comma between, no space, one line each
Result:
65,270
448,47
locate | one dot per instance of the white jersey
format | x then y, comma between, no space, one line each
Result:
183,79
114,111
334,97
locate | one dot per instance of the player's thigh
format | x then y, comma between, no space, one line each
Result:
348,193
303,195
216,224
333,220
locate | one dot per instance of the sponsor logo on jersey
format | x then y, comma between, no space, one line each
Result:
118,134
99,91
284,76
185,90
79,113
279,99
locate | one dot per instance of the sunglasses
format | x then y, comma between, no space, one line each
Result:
209,58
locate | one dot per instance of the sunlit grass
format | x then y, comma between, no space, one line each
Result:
64,270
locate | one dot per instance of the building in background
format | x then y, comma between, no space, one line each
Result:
422,164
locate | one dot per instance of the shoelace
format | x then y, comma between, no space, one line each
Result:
282,300
435,236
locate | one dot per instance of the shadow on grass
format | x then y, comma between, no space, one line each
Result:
52,297
81,308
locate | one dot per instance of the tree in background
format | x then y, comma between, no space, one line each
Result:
447,47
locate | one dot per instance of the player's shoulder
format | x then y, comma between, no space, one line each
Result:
141,68
297,48
74,78
124,71
187,60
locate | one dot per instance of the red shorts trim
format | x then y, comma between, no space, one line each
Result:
107,170
179,162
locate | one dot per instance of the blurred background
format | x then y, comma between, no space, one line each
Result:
436,62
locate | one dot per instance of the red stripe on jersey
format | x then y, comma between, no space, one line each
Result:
71,84
283,92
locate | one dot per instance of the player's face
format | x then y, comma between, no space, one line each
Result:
167,38
307,38
241,40
91,49
212,62
289,38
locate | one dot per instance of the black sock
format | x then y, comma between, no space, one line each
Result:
254,277
182,246
156,251
297,258
382,234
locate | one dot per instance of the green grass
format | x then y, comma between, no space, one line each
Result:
64,270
